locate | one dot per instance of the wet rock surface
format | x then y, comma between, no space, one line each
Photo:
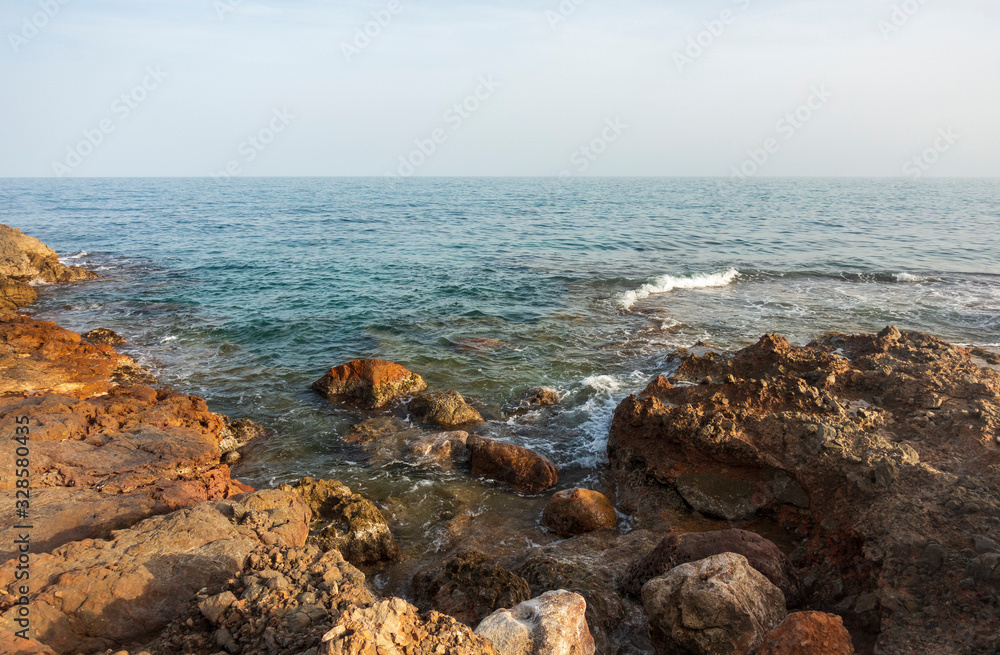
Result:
468,587
515,466
104,337
881,449
574,512
372,383
346,521
444,409
716,606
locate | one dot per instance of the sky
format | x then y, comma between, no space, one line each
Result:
96,88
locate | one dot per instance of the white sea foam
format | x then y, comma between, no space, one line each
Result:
168,339
82,253
909,277
667,283
602,383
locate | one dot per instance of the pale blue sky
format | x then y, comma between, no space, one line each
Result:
234,70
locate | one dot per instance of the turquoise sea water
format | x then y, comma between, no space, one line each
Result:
245,291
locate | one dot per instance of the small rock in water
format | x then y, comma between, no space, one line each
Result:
104,337
444,409
522,469
468,587
578,511
373,383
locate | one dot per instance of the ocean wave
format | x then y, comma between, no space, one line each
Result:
667,283
82,253
909,277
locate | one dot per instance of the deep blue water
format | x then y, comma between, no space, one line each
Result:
244,291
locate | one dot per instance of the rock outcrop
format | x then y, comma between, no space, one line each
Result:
444,409
808,633
24,260
882,448
346,521
517,467
681,548
93,594
717,606
104,337
372,383
468,587
573,512
553,624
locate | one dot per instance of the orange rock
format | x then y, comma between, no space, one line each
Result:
372,382
808,633
578,511
524,470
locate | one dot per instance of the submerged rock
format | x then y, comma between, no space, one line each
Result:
522,469
445,409
717,606
808,633
104,337
371,382
882,449
468,587
578,511
553,624
346,521
677,549
444,450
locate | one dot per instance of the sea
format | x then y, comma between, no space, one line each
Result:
245,291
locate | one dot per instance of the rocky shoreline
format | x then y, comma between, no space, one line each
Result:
835,498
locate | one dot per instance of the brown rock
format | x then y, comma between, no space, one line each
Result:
10,644
14,295
92,595
677,549
444,450
578,511
717,606
104,337
540,397
25,258
517,467
371,382
394,627
468,587
446,409
346,521
808,633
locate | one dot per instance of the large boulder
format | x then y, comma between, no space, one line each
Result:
517,467
92,595
717,606
346,521
444,409
880,448
808,633
574,512
372,383
677,549
555,623
394,627
468,587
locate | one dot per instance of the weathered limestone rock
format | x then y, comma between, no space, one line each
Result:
393,627
91,595
552,624
26,258
104,337
346,521
517,467
578,511
371,382
717,606
808,633
677,549
468,587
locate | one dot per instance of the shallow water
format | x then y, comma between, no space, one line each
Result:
245,291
